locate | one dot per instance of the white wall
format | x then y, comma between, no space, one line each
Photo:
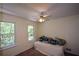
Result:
66,27
22,42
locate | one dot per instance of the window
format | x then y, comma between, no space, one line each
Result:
30,32
7,35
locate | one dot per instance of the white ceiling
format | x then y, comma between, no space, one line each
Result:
32,11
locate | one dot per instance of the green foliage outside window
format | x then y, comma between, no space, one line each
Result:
30,32
7,34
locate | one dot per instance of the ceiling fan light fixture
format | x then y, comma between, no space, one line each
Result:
42,17
41,20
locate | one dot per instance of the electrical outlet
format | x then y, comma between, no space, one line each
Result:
68,49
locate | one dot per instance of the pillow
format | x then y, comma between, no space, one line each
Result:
52,41
43,38
60,41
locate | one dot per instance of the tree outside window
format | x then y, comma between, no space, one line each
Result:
7,34
30,32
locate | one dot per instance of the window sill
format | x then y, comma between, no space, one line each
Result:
1,49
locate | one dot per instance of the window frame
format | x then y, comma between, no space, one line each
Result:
10,46
28,32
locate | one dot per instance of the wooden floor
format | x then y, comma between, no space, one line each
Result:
31,52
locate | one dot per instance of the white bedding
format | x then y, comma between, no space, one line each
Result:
49,49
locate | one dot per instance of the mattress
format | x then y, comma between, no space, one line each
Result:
49,49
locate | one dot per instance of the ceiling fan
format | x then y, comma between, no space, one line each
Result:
43,17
